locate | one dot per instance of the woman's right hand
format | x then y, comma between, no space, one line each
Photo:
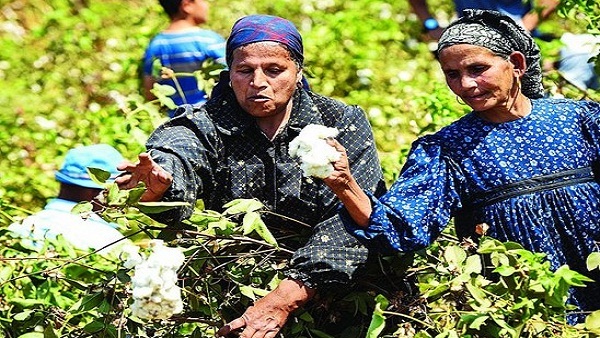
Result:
156,179
345,187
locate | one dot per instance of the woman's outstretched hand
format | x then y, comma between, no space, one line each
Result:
156,179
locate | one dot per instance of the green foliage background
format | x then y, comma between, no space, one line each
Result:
69,75
63,62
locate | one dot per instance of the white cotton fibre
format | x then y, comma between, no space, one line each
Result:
314,152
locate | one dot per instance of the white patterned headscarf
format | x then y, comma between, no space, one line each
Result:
500,34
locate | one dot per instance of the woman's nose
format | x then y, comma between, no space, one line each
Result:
259,79
467,82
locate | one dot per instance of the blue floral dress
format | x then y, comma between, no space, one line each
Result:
530,180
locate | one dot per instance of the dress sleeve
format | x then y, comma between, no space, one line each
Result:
591,125
418,206
332,257
187,147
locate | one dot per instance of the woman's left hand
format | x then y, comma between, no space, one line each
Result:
340,177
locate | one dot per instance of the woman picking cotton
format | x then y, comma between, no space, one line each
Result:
237,146
518,162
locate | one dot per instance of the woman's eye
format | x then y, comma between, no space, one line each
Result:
478,69
275,70
451,75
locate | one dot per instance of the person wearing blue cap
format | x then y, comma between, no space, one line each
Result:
75,186
237,146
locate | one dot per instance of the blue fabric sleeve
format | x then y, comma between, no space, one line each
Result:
591,124
419,205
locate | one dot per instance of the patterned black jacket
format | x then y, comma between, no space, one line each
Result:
217,153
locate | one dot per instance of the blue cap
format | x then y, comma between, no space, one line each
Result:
101,156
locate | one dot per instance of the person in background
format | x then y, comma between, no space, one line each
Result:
183,46
573,63
75,186
237,146
520,163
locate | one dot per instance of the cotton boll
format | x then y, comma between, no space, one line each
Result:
171,294
142,292
313,150
154,283
131,256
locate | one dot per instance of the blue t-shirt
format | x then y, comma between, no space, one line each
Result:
184,52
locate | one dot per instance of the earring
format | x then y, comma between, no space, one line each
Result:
460,101
229,84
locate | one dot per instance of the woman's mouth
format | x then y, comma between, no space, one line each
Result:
258,98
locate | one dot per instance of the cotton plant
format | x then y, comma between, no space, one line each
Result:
315,154
154,282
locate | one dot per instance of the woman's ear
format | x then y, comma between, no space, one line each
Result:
519,62
299,76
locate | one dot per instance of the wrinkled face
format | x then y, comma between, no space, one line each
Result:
482,79
264,78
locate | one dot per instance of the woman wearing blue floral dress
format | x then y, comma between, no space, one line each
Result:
518,162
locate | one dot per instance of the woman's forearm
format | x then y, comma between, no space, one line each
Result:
355,200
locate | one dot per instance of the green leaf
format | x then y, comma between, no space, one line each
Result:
26,303
162,93
32,335
21,316
473,265
478,295
592,321
82,208
135,194
116,196
593,261
94,327
476,324
165,90
572,277
253,221
378,319
92,301
249,222
242,205
455,255
156,67
505,270
49,332
252,292
489,245
158,207
99,176
320,334
436,291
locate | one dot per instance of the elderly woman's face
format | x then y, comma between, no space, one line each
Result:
479,77
264,78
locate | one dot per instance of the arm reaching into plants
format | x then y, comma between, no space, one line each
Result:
343,184
156,179
269,314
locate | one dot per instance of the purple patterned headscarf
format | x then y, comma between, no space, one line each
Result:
258,28
500,34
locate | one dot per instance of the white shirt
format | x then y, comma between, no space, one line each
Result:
57,219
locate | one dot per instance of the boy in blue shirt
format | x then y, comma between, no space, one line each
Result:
183,46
